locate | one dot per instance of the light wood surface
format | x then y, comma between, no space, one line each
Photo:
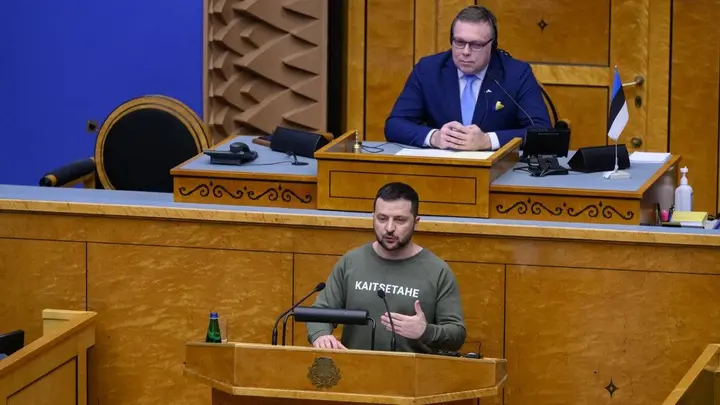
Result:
243,188
700,384
52,369
577,205
356,376
695,97
349,181
552,300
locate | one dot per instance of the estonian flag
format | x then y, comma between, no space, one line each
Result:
618,117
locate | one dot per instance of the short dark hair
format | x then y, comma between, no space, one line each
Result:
399,191
476,14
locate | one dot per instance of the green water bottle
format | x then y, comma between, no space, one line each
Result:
213,332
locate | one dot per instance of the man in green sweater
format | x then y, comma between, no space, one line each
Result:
421,290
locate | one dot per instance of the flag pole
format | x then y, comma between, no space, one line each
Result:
617,167
616,173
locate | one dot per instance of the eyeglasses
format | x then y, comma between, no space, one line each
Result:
474,46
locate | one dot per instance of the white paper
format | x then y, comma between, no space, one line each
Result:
444,153
649,157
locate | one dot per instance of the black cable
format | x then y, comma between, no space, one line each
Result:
268,164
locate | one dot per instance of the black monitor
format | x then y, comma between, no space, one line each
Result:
12,342
541,149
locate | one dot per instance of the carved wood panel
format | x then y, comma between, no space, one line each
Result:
266,64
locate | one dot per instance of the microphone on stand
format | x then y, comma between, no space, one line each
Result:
381,294
515,102
295,161
318,288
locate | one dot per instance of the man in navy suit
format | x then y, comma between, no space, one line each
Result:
461,99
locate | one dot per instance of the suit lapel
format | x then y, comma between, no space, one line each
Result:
452,92
482,105
485,101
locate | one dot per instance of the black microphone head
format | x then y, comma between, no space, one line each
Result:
320,287
332,315
381,293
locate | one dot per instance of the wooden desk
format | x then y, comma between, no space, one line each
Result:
54,368
349,181
582,197
571,307
340,180
269,181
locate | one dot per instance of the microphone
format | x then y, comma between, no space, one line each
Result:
336,316
381,294
318,288
332,315
295,161
514,102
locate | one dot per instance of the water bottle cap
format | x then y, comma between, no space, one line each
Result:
213,314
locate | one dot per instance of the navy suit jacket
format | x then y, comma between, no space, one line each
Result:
431,98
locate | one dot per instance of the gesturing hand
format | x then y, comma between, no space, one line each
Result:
411,327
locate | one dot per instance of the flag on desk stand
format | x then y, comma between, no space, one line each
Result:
617,120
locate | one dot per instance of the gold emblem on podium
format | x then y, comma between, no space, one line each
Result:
323,373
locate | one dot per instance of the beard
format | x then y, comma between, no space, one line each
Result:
399,243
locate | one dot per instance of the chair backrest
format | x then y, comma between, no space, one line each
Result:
143,139
12,342
546,96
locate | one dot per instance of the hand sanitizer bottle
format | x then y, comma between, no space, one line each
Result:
683,193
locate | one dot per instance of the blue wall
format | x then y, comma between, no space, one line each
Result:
63,63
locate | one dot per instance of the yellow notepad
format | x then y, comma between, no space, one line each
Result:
694,219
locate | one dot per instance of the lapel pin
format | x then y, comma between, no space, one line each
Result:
499,106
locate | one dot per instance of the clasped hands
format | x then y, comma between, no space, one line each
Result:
454,135
408,326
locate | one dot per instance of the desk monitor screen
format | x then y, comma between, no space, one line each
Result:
546,142
12,342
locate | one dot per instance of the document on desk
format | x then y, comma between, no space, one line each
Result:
444,153
649,157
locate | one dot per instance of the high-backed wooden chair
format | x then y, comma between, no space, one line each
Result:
137,145
556,122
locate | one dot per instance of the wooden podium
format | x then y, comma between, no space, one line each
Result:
348,178
241,373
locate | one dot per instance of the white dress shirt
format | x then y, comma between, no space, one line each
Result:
477,84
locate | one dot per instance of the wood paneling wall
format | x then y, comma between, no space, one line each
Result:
571,309
694,96
672,44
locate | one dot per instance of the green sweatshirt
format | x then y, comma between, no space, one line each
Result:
353,284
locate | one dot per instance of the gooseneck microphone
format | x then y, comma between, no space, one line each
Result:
381,294
295,161
318,288
514,102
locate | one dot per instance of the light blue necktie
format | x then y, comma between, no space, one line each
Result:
467,100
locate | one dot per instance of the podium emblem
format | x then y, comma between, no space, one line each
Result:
323,373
